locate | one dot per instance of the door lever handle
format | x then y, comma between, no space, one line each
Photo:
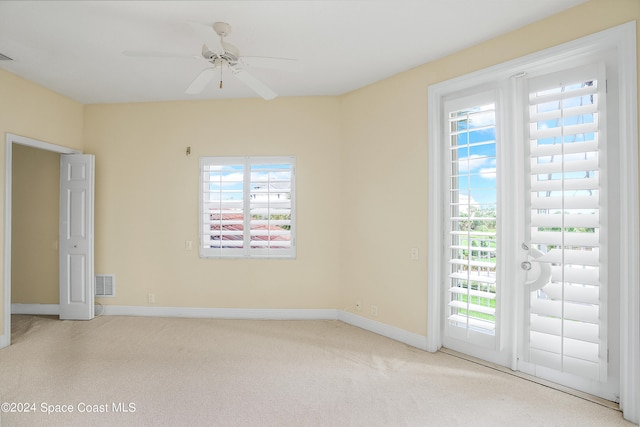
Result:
538,275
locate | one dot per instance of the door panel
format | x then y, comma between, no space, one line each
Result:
473,319
565,333
76,237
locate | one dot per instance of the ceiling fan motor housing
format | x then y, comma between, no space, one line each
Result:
230,54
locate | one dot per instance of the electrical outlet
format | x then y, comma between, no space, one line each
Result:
188,245
374,310
415,254
358,305
151,298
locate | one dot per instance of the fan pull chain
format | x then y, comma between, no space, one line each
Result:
221,67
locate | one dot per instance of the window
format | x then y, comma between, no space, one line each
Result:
247,207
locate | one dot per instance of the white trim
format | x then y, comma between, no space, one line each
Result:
622,39
10,139
629,216
36,309
395,333
436,202
223,313
35,143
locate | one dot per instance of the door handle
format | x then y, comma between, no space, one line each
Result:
538,273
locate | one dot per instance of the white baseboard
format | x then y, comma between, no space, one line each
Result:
36,309
223,313
395,333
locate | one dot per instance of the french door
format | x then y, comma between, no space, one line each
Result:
530,260
571,291
472,320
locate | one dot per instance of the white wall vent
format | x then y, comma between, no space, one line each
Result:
105,285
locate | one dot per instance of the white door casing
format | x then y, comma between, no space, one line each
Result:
10,140
76,236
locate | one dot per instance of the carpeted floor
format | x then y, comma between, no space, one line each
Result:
204,372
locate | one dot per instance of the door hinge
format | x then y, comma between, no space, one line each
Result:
607,355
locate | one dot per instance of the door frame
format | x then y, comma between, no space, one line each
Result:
622,39
10,139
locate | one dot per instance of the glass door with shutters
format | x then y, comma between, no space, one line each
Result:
567,234
472,318
529,262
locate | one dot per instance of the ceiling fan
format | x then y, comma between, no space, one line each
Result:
221,54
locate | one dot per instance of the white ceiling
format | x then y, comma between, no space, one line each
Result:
75,47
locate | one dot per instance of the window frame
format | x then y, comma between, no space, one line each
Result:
246,250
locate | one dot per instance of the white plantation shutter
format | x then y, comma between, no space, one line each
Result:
471,219
271,206
222,209
247,207
567,316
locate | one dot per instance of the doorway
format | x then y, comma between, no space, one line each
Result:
11,141
35,230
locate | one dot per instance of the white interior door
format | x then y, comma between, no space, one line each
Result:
76,236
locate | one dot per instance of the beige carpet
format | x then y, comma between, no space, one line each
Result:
205,372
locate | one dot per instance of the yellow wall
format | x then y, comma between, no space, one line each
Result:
362,181
385,135
147,200
29,110
35,226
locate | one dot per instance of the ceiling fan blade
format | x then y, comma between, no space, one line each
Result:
258,87
284,64
155,54
201,81
208,35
